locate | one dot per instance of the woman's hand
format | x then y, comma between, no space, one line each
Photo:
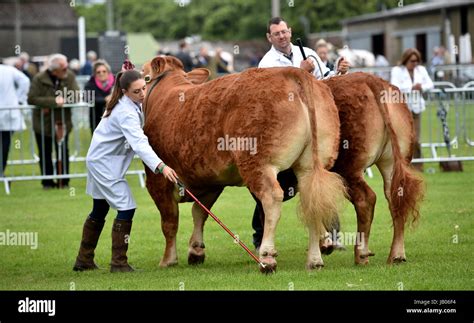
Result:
168,172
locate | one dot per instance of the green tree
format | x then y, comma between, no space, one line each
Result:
227,19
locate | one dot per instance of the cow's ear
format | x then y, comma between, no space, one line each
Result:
158,64
198,75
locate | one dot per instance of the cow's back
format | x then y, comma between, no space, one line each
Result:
264,104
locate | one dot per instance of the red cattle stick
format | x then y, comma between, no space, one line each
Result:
222,225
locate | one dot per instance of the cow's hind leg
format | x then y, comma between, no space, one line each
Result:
363,198
196,253
397,251
266,188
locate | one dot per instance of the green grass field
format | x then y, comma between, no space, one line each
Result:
439,249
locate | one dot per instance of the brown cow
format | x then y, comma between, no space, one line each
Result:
185,122
376,130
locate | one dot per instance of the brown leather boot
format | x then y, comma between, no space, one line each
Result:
90,235
120,237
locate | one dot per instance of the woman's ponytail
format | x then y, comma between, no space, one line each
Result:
116,95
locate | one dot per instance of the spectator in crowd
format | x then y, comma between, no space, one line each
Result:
223,66
101,83
203,58
254,58
184,56
437,60
91,58
218,65
14,87
164,51
322,50
24,65
381,61
51,120
413,79
75,66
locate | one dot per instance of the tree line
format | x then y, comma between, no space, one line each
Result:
226,19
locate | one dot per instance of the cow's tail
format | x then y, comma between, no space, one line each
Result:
407,188
321,192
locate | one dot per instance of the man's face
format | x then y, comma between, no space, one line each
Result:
61,71
322,53
137,91
280,36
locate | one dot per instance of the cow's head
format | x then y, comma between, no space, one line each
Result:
161,64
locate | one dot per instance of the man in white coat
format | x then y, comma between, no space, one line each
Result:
117,138
284,53
14,86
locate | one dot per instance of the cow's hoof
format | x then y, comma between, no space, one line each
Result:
362,260
166,264
268,266
194,259
315,265
396,260
326,247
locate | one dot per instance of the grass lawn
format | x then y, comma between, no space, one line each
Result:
439,249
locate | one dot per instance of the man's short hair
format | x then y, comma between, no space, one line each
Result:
54,61
275,21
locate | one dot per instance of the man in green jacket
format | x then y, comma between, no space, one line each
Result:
52,123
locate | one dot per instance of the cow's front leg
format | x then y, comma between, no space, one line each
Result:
169,225
196,252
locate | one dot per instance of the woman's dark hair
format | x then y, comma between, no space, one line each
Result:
123,81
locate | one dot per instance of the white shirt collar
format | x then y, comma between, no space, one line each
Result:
281,55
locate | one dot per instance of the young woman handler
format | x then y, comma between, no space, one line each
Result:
117,138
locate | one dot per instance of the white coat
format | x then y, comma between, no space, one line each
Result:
275,58
400,77
12,119
115,141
